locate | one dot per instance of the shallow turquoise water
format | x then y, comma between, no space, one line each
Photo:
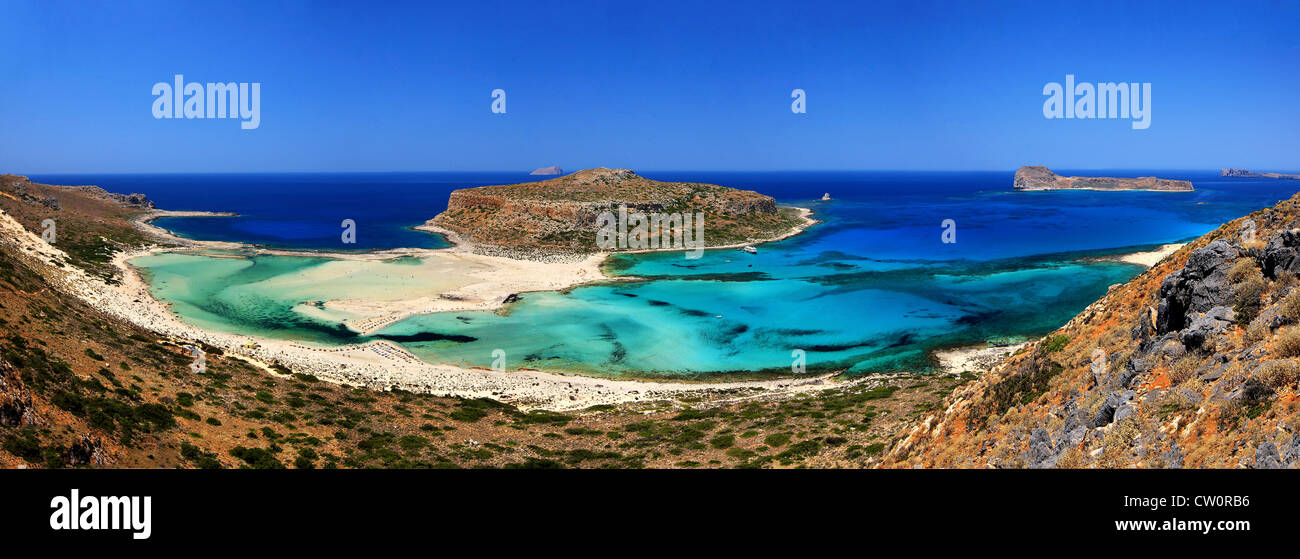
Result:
872,288
866,320
868,317
227,294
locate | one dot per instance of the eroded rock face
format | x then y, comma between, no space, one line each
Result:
17,406
1267,457
1212,322
135,200
1114,402
1041,453
87,449
1281,254
1199,286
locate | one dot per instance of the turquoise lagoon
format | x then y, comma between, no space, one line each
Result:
872,288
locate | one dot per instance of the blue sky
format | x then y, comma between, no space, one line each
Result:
646,85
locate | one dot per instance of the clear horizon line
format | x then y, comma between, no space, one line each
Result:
566,172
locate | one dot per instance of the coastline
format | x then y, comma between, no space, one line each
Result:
384,365
975,359
804,213
1148,258
144,223
380,364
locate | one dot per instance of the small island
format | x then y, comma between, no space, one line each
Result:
1038,177
1242,173
552,170
560,214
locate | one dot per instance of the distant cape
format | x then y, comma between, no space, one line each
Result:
1252,174
1037,177
552,170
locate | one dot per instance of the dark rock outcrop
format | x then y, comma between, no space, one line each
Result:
1282,253
1212,322
17,406
1041,453
1114,401
1267,457
1199,286
134,200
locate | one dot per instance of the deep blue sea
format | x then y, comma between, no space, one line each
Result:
872,288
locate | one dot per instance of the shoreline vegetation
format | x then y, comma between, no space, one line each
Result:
385,365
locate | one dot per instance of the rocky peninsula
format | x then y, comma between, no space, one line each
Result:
1038,177
98,273
1242,173
560,215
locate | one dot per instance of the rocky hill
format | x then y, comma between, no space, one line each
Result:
560,214
1193,364
1037,177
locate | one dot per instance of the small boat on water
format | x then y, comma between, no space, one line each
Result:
749,249
826,196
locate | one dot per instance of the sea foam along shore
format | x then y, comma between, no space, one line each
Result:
380,364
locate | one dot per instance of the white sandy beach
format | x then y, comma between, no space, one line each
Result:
385,365
470,281
466,281
1152,257
974,359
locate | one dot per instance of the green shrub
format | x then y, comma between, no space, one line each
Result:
800,450
306,459
1021,387
257,458
776,439
1055,343
412,442
873,449
200,459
